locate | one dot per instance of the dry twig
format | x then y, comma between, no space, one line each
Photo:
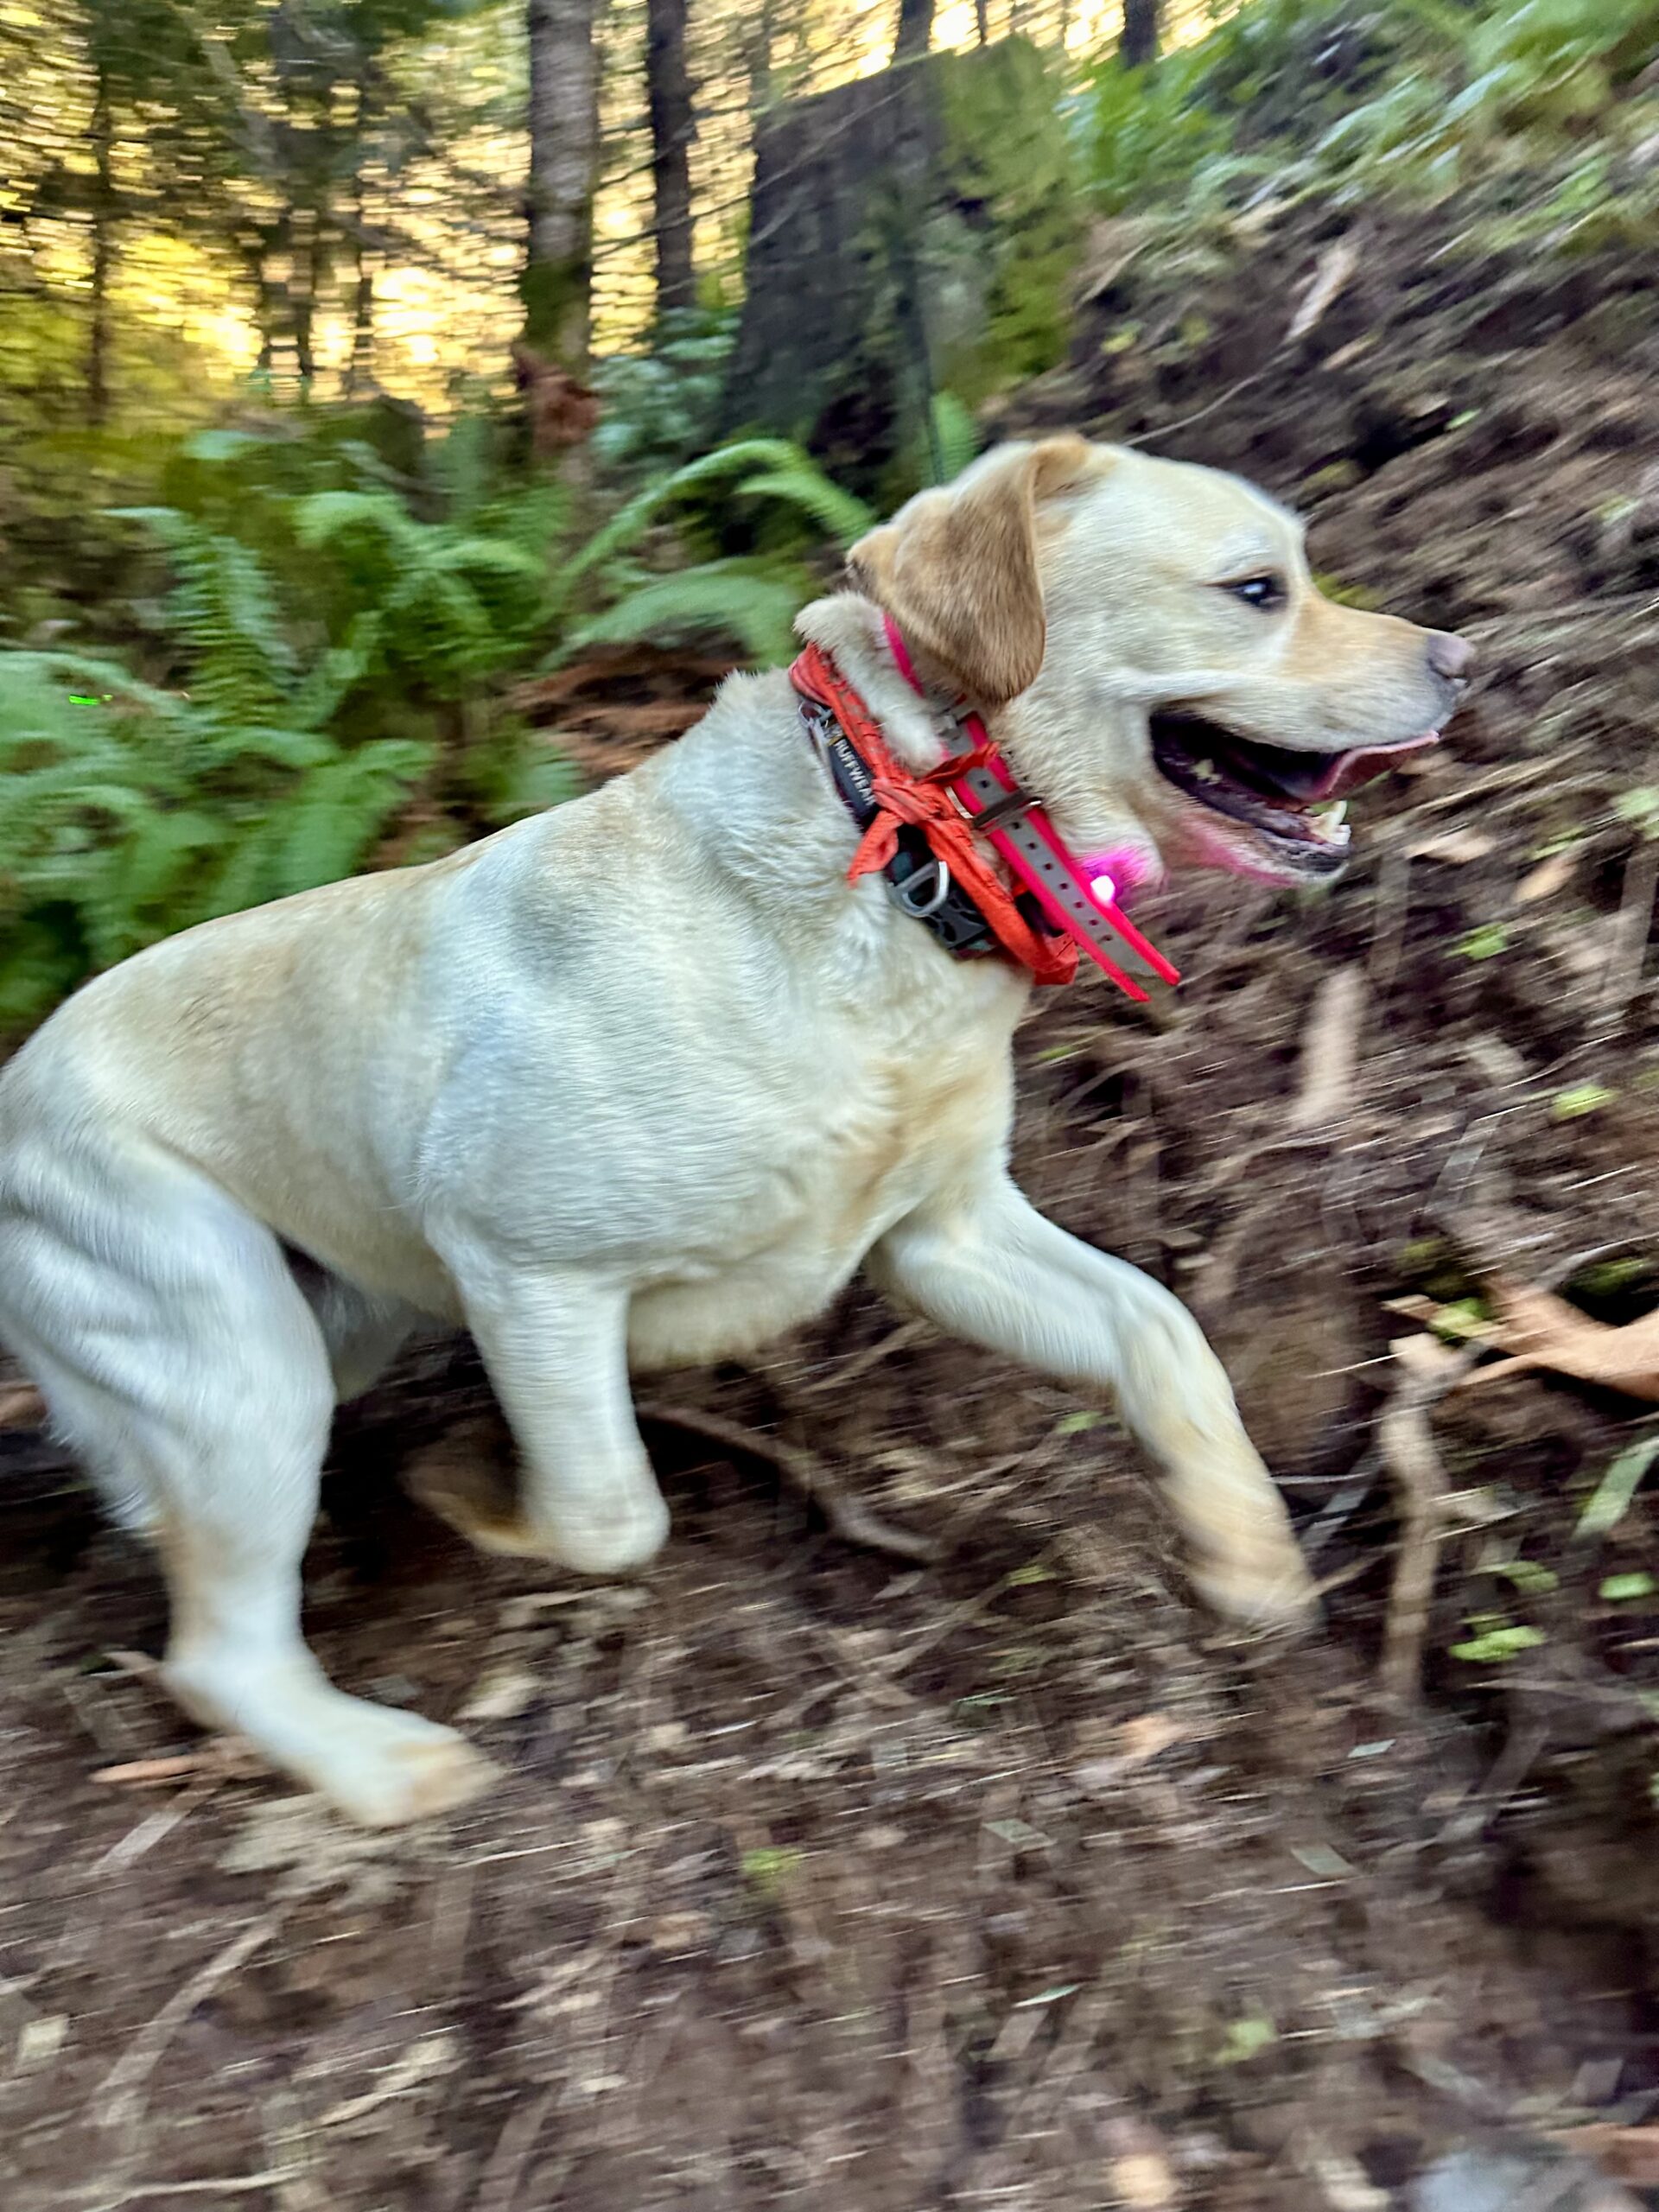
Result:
1330,1050
1407,1445
853,1523
123,2084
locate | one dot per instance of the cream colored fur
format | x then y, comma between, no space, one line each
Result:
644,1080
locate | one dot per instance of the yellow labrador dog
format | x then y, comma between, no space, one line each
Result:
647,1078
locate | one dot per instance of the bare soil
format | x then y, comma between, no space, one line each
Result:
825,1879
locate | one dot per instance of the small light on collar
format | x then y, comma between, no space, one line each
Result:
1104,889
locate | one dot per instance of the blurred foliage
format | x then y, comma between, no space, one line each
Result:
242,659
1541,118
331,646
661,407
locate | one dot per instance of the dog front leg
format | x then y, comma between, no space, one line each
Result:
992,1270
555,1345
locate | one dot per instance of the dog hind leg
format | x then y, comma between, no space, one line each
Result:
178,1355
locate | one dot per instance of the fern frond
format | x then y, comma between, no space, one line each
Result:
955,434
845,517
630,521
756,602
341,809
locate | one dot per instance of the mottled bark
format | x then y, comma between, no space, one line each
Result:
563,166
915,29
102,214
1139,43
673,126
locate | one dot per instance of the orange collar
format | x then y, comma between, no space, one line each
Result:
1034,905
925,801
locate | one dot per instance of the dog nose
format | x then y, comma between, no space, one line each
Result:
1450,656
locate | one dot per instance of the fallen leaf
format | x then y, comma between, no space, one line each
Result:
1149,1734
1336,265
1546,880
1139,2166
1134,1744
1143,2180
1543,1331
42,2037
1458,845
501,1695
1629,2154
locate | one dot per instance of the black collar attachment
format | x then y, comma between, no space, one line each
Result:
919,884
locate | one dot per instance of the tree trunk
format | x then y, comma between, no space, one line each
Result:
1139,43
104,210
758,54
915,29
673,126
360,370
983,21
563,166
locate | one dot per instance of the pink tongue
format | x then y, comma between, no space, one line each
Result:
1348,771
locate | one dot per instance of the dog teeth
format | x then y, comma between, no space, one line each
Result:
1206,772
1330,821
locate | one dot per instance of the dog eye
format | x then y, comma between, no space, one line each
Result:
1266,592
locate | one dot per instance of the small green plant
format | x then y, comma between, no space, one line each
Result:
1640,807
1580,1099
1626,1589
770,1868
1611,1498
1495,1640
1247,2039
1485,943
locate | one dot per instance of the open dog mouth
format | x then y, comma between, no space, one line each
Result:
1298,798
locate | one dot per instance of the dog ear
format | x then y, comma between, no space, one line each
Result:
957,569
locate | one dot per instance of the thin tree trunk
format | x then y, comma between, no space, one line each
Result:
360,370
103,211
673,126
563,165
982,22
1139,44
302,279
759,58
915,29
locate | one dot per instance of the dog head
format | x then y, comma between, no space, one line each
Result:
1154,657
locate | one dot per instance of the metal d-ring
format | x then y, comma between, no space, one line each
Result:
940,870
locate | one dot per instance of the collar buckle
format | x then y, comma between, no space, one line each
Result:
1013,806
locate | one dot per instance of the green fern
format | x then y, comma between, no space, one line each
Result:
754,601
955,434
777,470
131,811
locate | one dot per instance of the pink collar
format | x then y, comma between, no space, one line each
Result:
1018,830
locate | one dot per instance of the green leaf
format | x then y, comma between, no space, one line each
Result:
1610,1499
1494,1645
1247,2039
1624,1589
1580,1099
1485,943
